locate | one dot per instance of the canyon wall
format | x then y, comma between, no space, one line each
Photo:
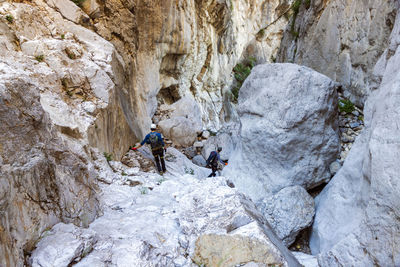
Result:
341,39
79,80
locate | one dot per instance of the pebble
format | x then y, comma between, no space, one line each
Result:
354,124
349,127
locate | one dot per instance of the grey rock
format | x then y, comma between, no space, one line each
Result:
346,138
306,260
43,178
199,160
284,143
339,40
205,134
64,244
334,167
355,113
184,123
288,212
354,124
357,221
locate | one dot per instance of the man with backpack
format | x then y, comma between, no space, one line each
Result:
213,160
155,140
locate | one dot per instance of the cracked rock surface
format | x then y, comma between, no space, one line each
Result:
165,221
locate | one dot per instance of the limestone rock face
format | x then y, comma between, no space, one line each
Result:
288,212
341,39
44,178
289,132
180,48
164,221
357,220
59,94
184,122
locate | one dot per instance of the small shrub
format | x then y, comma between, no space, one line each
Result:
307,3
71,56
361,118
124,174
261,33
62,36
160,181
212,133
39,58
189,171
70,93
78,2
345,105
143,190
241,72
295,8
107,156
10,18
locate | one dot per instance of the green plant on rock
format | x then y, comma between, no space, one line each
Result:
143,190
39,58
71,56
124,173
295,8
261,33
241,72
78,2
107,156
10,18
62,36
345,105
160,181
189,171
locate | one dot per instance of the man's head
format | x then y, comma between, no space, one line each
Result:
219,149
153,127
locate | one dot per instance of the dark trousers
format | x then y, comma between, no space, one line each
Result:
214,170
159,156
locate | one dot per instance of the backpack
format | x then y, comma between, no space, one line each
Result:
155,141
212,159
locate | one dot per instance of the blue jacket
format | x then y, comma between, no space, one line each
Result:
147,139
211,159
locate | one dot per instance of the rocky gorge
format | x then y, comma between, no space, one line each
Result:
302,96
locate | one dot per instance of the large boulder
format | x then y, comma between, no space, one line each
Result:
288,212
289,133
357,217
184,123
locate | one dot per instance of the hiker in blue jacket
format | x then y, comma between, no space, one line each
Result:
155,140
213,160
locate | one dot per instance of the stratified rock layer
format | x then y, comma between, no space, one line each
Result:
289,132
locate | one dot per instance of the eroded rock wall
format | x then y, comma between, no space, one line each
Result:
57,80
186,48
357,218
342,39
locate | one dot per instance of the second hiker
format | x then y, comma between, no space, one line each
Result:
155,140
213,160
